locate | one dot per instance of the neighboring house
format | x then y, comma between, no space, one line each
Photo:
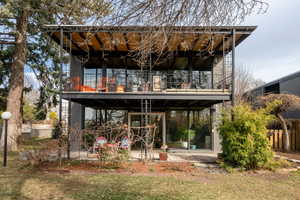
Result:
286,85
192,76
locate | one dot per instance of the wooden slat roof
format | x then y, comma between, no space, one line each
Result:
128,38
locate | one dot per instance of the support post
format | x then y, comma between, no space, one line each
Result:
224,65
164,130
5,144
60,75
190,75
233,69
189,128
128,130
69,130
126,74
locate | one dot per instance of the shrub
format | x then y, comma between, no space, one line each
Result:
186,133
111,156
53,116
244,138
28,112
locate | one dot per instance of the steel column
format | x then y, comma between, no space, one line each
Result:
128,130
233,69
164,130
5,144
60,74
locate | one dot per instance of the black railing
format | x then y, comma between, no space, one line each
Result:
144,81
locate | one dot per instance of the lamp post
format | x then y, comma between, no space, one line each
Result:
5,116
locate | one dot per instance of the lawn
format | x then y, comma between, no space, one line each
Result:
19,182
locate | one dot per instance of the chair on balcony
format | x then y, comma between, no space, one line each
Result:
102,87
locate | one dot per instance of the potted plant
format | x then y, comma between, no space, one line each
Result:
186,135
163,155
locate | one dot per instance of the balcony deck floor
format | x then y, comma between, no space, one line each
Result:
159,100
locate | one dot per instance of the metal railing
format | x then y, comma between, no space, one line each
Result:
149,82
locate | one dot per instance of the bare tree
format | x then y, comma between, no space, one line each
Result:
244,82
285,102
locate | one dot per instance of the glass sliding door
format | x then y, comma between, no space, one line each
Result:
189,130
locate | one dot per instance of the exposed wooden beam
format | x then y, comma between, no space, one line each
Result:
113,41
99,41
73,43
83,36
126,40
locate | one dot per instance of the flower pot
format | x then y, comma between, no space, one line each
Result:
184,145
163,156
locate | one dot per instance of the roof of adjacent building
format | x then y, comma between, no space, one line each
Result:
282,79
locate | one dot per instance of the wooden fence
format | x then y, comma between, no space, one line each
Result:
277,140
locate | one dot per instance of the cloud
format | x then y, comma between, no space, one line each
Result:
272,51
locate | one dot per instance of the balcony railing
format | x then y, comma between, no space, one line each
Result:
149,82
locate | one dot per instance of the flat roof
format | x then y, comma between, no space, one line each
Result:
128,38
199,29
282,79
200,43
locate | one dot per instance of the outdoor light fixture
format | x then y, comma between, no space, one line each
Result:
5,116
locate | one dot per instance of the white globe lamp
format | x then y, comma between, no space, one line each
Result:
6,115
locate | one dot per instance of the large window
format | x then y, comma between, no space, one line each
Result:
120,80
95,117
189,130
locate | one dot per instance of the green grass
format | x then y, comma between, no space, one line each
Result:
17,182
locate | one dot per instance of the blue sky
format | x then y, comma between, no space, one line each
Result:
273,50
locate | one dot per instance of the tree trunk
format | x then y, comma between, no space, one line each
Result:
16,83
285,133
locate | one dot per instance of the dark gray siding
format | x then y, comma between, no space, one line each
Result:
291,86
76,108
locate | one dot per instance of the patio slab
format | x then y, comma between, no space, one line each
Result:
185,156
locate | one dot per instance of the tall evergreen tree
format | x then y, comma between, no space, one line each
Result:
32,49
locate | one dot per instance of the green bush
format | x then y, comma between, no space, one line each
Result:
53,116
244,138
185,134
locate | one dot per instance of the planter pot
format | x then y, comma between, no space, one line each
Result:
163,156
184,145
134,88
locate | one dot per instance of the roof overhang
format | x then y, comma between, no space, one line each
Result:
159,101
196,41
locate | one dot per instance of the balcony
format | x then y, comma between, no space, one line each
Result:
145,82
175,90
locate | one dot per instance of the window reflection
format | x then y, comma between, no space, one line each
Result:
121,80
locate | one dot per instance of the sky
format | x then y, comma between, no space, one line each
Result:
273,50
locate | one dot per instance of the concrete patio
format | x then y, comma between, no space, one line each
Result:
181,156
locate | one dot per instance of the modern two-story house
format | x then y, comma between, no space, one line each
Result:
178,88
